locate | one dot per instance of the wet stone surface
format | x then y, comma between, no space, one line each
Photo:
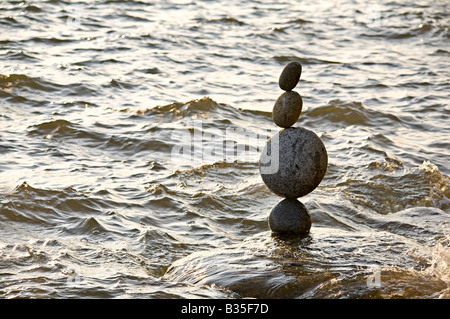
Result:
290,217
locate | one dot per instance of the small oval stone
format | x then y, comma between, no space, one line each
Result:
290,217
287,109
290,76
293,162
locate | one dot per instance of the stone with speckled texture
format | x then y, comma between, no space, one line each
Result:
293,162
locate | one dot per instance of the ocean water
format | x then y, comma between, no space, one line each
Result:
131,133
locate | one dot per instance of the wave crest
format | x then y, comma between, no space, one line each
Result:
344,113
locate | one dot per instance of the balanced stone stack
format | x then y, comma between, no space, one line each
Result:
293,161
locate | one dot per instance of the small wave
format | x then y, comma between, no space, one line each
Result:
434,262
396,190
79,103
52,125
119,84
21,81
203,106
96,61
135,18
388,164
134,146
21,56
33,8
441,52
19,99
6,149
406,223
58,129
165,204
304,61
206,109
10,21
150,71
349,113
51,41
426,28
63,129
86,226
225,20
19,208
217,166
440,265
65,210
300,21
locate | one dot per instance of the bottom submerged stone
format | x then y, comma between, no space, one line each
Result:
290,217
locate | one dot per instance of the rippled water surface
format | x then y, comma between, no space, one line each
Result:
131,133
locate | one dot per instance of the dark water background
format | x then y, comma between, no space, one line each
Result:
95,96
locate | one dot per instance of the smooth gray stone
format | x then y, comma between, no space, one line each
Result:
293,162
290,76
287,109
290,217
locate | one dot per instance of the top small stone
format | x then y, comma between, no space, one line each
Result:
290,76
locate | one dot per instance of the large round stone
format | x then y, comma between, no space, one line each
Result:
293,162
290,217
287,109
290,76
